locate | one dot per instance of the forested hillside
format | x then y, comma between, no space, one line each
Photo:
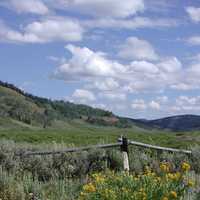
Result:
33,110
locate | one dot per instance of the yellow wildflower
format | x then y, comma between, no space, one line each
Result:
173,176
165,167
185,166
82,194
177,175
147,170
165,198
173,194
157,179
89,188
99,178
190,183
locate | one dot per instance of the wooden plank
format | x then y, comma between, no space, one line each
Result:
70,150
140,144
124,149
125,161
104,146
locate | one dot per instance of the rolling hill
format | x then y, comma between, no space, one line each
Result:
20,109
31,110
177,123
31,119
173,123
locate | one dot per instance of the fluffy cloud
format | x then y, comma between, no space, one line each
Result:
99,105
154,105
180,105
183,86
26,6
182,100
101,8
190,76
135,48
47,30
86,63
194,40
144,67
132,23
194,13
171,65
139,104
193,74
9,35
56,29
66,29
83,96
113,96
109,84
102,73
185,104
154,77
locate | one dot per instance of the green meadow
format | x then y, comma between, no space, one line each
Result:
79,133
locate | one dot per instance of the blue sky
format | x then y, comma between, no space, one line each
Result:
137,58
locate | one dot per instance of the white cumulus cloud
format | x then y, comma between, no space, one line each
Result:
108,84
86,63
26,6
46,30
194,13
130,23
187,104
95,69
83,96
113,96
102,8
135,48
154,105
139,104
194,40
144,67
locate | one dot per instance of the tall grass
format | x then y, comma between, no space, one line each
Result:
60,177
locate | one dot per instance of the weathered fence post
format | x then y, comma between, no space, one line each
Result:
124,149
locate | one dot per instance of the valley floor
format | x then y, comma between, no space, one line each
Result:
79,133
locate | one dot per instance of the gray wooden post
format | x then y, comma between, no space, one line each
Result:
124,149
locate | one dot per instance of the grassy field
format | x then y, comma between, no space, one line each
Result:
71,176
65,176
79,133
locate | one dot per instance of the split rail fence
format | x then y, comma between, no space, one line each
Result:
122,142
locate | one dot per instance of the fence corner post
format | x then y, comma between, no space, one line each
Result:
124,149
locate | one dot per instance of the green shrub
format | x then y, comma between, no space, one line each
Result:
144,186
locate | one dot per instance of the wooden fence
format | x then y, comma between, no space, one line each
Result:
122,142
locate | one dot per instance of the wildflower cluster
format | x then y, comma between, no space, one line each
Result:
166,185
185,166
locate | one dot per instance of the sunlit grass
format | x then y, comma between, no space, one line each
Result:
81,134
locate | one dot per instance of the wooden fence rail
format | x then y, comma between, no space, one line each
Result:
140,144
105,146
122,142
70,150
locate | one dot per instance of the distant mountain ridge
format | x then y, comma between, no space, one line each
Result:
173,123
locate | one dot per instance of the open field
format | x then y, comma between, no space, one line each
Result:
23,116
80,133
65,176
